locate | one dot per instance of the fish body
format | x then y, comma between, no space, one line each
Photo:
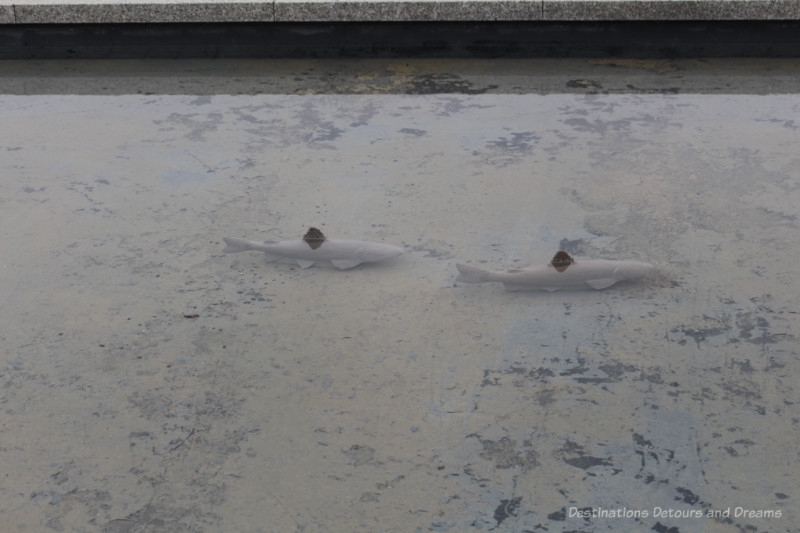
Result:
593,273
342,254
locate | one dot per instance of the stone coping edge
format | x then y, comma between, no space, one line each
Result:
226,11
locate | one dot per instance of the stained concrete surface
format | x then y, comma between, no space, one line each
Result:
152,383
608,75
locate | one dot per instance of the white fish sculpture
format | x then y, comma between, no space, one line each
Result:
315,247
562,273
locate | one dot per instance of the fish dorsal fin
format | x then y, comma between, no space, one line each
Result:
314,238
561,261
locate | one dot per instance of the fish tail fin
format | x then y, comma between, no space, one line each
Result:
236,245
470,274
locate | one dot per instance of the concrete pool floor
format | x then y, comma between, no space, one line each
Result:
152,383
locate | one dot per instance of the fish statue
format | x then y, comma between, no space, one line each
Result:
562,272
314,247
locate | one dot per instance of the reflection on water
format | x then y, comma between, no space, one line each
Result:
148,377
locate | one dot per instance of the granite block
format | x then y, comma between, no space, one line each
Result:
587,10
142,12
211,11
6,14
406,11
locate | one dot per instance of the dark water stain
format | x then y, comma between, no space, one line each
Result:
743,366
364,115
505,509
743,389
579,369
738,447
615,370
599,127
699,335
414,132
535,375
443,84
687,496
196,125
576,246
518,142
656,90
586,462
749,324
752,327
325,132
584,84
430,251
575,455
653,459
661,528
370,497
639,440
505,453
360,455
159,516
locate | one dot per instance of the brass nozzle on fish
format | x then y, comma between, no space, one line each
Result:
561,261
314,238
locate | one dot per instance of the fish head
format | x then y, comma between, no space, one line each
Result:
632,270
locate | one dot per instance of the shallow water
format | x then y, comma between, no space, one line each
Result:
152,383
